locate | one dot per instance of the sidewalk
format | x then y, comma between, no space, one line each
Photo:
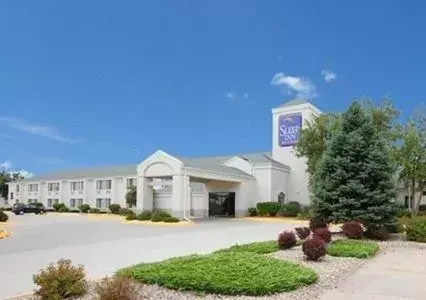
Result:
399,274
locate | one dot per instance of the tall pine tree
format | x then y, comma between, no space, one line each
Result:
354,179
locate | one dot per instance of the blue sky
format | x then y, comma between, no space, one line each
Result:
86,83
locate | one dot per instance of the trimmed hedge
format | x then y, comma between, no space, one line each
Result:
352,248
291,209
268,208
314,249
353,230
171,220
84,208
115,208
416,230
286,240
3,216
252,211
145,216
226,273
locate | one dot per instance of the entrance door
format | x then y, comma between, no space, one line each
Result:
222,204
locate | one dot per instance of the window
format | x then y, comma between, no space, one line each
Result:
17,188
103,202
77,186
54,186
103,184
281,198
11,196
76,202
32,187
131,182
49,202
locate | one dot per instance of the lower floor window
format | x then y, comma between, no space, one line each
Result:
76,202
51,202
103,202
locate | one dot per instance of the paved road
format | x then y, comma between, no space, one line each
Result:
104,246
397,275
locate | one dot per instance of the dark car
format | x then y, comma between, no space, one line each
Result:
21,208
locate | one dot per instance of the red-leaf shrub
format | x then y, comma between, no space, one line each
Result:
302,232
286,240
316,223
353,230
377,233
314,249
323,234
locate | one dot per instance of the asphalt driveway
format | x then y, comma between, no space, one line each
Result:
104,246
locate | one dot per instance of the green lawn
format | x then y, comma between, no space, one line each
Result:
227,272
353,248
257,247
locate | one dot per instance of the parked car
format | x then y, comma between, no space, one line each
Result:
21,208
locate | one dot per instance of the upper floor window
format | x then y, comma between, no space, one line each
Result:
103,184
53,186
77,186
17,188
131,182
32,187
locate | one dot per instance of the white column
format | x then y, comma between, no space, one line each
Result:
144,194
180,196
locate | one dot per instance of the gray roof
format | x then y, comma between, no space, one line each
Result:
296,101
214,163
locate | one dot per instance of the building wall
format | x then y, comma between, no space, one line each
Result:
89,194
298,178
263,183
279,183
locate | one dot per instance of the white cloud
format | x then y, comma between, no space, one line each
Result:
328,75
6,165
231,95
44,131
246,96
303,87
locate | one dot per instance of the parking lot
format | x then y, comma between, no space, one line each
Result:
103,246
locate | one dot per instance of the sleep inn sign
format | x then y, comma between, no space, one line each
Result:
289,129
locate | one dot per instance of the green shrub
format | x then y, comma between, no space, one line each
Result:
226,273
61,281
63,209
116,288
159,216
305,213
145,216
58,206
171,220
95,210
291,209
131,217
286,240
252,211
416,230
314,249
403,213
352,248
84,208
268,208
125,211
3,216
114,208
256,247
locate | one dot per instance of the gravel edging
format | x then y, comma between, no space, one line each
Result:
331,272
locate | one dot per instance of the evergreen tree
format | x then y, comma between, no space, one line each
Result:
354,178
